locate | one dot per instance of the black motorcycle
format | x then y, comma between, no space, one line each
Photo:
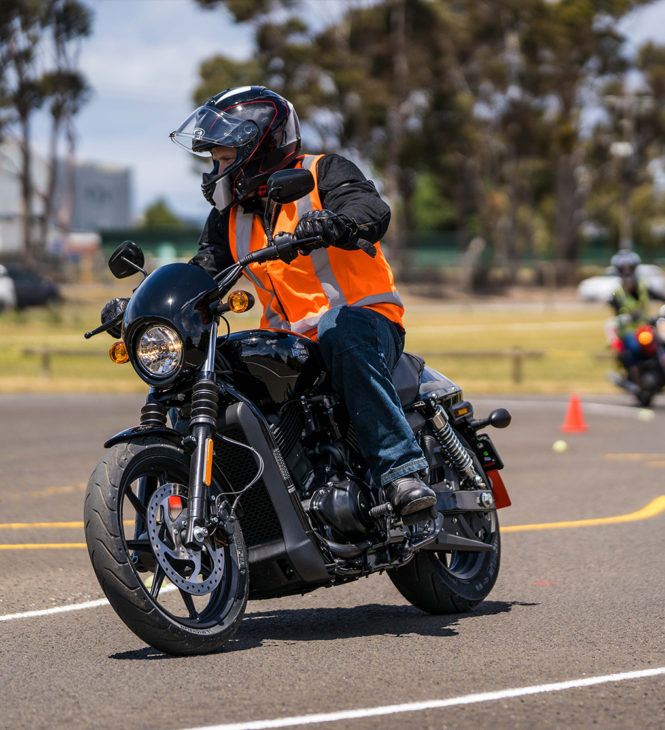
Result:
258,488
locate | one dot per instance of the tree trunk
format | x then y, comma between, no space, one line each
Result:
394,135
26,192
566,221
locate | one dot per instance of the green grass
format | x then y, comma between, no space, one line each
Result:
572,340
571,337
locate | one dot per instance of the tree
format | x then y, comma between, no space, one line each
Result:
159,215
485,99
27,27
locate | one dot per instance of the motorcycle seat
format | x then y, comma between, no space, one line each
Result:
406,377
413,380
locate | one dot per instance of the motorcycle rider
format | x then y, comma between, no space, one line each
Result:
630,302
342,293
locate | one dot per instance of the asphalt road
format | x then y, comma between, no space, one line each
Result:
576,606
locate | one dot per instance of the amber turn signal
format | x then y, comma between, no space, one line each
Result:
240,301
118,353
645,337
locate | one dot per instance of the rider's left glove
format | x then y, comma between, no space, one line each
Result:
111,310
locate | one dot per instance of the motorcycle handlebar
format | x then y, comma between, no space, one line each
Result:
279,248
103,327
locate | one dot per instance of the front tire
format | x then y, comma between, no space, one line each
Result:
166,617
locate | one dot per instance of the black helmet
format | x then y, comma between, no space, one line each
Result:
261,125
625,262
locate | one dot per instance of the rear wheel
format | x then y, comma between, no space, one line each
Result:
177,600
455,581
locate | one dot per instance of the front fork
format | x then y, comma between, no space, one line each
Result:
205,407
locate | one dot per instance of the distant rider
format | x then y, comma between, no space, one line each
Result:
630,301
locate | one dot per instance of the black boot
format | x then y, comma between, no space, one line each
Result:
410,494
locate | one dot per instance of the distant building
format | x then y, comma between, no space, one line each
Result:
100,199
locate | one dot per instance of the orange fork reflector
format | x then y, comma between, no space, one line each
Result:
208,472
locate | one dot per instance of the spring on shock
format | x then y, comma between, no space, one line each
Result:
453,448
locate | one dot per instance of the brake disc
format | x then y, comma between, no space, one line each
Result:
194,571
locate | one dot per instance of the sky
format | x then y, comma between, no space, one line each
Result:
142,62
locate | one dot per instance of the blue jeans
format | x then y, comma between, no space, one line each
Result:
360,348
632,354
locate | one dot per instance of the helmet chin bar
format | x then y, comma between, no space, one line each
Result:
222,194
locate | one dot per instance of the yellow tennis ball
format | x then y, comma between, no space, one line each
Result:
559,446
646,414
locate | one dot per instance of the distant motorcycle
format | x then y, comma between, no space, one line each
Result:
259,489
650,366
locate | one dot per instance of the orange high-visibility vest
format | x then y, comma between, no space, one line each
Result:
295,295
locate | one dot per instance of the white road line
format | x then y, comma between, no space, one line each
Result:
72,607
56,609
434,704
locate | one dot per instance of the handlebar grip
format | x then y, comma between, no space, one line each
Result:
270,253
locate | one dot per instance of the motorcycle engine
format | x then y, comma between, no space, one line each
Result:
341,505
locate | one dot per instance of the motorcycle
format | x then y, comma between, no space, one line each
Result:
649,378
258,488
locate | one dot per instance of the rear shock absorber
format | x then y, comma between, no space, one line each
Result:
453,448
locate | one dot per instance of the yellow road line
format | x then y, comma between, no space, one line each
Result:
655,507
632,457
28,525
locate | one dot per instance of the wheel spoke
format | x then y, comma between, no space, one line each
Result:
157,580
189,603
136,503
466,527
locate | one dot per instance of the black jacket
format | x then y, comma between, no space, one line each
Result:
342,189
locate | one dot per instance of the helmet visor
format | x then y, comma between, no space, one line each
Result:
207,127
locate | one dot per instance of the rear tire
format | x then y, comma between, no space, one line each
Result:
453,581
169,619
442,583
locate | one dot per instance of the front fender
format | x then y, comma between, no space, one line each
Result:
130,434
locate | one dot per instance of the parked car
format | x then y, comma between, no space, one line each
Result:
600,288
32,290
7,290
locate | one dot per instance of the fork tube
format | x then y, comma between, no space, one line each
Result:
205,401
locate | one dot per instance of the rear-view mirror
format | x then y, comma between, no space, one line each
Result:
126,260
285,186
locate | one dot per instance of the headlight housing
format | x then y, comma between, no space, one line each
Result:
159,352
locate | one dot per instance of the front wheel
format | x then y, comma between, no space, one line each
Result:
177,600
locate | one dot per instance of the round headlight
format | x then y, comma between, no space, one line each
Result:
159,351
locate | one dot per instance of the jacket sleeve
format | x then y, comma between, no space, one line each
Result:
214,253
656,295
345,190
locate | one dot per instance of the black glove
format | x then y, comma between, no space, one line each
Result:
332,229
286,252
114,309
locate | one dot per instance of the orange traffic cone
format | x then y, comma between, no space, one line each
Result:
574,420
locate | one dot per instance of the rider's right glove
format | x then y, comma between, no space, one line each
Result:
111,310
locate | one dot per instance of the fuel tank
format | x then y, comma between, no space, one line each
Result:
271,366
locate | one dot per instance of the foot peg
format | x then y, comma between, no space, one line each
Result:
381,510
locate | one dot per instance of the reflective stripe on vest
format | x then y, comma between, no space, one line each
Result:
311,284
